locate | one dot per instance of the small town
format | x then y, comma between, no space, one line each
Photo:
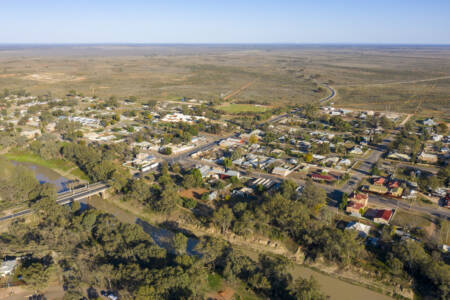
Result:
225,150
367,171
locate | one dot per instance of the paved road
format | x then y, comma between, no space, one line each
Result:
333,192
66,197
321,101
186,155
425,169
366,165
358,174
331,96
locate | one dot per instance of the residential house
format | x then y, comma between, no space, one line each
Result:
149,167
396,192
212,196
281,171
318,157
331,161
179,117
30,134
345,162
437,137
322,177
429,122
428,158
399,156
357,202
379,181
7,267
393,184
231,142
243,192
356,150
50,127
378,189
409,193
229,174
208,171
383,216
362,229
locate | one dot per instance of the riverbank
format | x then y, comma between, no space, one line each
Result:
61,166
339,286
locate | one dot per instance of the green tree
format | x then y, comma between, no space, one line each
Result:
36,275
305,289
167,200
288,189
442,128
227,162
253,139
179,243
386,123
344,201
223,217
197,176
313,196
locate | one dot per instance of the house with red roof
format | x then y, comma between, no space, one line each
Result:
379,181
393,184
357,201
359,197
322,177
381,216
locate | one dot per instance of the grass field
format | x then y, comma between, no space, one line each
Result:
242,108
63,166
403,218
395,78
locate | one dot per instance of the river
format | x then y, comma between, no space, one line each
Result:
46,175
333,287
338,289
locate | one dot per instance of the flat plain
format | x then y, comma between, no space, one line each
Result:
386,78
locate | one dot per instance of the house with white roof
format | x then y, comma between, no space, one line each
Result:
429,122
363,230
356,150
7,267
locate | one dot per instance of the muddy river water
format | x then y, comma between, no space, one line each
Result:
46,175
333,287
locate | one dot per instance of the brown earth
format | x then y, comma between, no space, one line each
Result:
193,193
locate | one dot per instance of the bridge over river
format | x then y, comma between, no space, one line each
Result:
67,197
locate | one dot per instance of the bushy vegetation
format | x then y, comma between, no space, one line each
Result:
89,248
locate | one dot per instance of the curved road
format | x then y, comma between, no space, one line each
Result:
332,93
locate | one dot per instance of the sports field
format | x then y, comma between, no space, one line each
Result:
242,108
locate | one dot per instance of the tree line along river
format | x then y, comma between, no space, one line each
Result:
333,287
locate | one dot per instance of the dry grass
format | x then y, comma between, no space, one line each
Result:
365,77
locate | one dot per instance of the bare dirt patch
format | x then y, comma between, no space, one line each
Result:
193,193
53,292
53,77
224,294
7,75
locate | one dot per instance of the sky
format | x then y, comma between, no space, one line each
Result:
225,21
